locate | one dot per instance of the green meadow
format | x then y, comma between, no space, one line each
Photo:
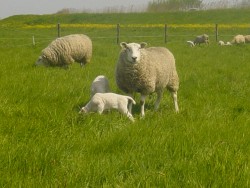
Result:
44,142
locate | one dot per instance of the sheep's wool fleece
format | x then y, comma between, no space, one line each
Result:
155,71
238,39
68,49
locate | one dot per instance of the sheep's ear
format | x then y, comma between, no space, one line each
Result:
123,44
143,44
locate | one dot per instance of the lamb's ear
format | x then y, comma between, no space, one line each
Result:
123,44
143,44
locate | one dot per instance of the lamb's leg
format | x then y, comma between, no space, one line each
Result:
142,102
130,116
174,95
124,110
159,97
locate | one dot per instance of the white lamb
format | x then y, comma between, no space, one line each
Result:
221,43
191,43
228,44
106,101
100,85
147,70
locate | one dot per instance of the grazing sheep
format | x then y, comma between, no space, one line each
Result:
100,85
201,39
238,39
146,70
191,43
221,43
247,38
106,101
66,50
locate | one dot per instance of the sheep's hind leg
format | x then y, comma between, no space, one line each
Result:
142,102
159,97
174,95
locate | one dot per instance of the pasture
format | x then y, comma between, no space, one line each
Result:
44,142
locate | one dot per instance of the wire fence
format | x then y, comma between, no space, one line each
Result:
42,35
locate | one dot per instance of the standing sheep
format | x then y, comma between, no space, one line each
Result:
66,50
201,39
146,70
238,39
100,85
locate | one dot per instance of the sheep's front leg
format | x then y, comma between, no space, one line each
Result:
159,97
174,95
142,102
130,103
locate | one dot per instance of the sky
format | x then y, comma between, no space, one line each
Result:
18,7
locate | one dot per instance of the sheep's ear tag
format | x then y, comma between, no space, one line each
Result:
143,44
123,44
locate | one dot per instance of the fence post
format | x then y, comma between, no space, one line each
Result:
33,40
165,33
58,30
117,33
216,32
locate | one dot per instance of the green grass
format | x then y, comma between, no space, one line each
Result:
44,142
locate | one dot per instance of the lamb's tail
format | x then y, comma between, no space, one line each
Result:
131,99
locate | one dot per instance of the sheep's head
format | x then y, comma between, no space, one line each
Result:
42,60
132,50
205,38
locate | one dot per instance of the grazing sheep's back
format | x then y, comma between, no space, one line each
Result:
153,72
68,49
238,39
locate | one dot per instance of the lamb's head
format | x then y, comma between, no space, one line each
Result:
132,51
83,110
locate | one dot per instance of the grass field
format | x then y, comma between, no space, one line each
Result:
44,142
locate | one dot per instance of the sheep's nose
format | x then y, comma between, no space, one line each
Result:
134,58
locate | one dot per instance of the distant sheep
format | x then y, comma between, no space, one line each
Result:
238,39
201,39
247,38
65,50
146,70
100,85
106,101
